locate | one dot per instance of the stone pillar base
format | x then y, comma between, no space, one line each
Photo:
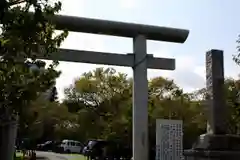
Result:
217,147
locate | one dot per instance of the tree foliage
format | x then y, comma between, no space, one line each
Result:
99,106
107,112
23,38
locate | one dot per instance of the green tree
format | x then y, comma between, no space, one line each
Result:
105,94
167,101
232,93
23,36
43,121
233,103
107,112
236,57
74,106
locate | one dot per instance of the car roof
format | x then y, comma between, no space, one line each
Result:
68,140
97,140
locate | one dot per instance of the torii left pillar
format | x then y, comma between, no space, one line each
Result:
140,99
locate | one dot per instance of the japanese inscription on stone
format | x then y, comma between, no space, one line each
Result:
215,91
209,76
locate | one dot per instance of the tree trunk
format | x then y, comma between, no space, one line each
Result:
8,132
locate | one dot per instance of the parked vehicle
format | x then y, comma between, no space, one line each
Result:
47,146
101,149
70,146
89,147
85,150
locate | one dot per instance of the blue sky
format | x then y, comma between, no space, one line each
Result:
213,25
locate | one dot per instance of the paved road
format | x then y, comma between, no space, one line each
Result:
55,156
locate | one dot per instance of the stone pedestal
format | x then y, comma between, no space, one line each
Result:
215,147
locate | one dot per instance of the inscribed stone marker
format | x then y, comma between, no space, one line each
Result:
215,92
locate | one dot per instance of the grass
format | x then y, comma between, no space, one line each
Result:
75,157
19,156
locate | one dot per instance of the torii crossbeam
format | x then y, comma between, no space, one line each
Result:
139,61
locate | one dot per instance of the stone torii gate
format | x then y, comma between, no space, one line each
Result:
139,61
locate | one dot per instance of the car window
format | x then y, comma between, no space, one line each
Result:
91,144
78,144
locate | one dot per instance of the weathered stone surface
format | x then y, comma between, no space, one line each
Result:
218,142
214,155
215,92
217,147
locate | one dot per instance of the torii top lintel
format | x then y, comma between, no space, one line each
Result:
122,29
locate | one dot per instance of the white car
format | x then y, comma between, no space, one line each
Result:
71,146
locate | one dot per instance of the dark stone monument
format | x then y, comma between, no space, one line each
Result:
215,92
216,144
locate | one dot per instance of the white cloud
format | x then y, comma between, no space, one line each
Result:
187,74
72,70
84,41
72,7
129,4
75,41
